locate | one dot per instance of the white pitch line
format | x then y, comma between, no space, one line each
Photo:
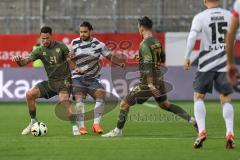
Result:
141,138
122,138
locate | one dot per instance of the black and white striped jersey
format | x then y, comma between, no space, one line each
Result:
211,25
87,55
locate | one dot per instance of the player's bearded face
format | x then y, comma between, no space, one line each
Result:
46,39
85,33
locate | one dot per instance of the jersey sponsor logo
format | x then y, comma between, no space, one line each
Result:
217,47
93,45
44,53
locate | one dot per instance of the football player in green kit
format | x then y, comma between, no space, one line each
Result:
53,55
151,59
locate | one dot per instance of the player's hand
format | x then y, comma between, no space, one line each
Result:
187,64
154,90
17,58
232,74
71,55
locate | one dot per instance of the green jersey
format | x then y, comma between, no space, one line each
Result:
151,55
54,59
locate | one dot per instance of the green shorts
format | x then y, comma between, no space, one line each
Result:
52,88
140,93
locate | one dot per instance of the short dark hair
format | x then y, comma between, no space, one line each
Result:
145,22
86,24
46,29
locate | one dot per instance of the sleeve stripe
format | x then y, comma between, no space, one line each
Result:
235,13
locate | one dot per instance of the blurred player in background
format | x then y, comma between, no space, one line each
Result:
232,33
86,52
211,25
151,59
53,54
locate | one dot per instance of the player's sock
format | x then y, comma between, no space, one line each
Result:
200,114
33,116
80,111
192,120
122,118
228,115
117,130
33,120
98,110
178,111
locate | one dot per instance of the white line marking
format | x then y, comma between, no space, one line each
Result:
142,138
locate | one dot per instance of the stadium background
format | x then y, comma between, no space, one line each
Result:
115,16
115,23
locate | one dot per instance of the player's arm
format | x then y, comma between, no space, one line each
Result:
233,28
192,37
230,39
72,64
111,57
22,61
190,45
71,61
115,60
70,57
163,57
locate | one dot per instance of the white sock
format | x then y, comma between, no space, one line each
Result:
33,120
228,115
200,114
117,130
80,110
98,110
192,120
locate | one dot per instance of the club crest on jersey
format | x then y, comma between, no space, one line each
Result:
93,45
58,50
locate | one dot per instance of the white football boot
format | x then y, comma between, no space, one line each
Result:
113,133
27,130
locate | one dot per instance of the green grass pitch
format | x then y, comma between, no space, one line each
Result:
150,133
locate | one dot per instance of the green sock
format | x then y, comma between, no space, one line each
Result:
178,111
122,119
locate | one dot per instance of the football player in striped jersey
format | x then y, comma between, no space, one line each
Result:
211,25
86,52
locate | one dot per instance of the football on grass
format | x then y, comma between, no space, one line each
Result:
39,129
